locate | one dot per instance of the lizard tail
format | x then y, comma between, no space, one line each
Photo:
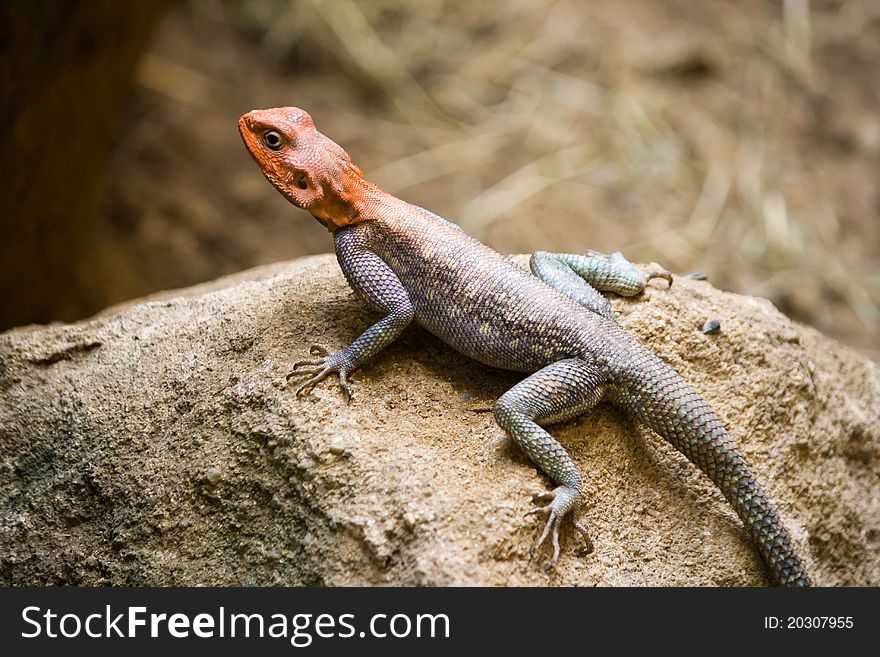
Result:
666,403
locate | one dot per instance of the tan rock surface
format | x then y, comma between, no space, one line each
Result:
158,444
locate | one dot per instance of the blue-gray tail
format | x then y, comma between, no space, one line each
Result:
655,393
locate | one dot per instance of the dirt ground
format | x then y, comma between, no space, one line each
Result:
740,139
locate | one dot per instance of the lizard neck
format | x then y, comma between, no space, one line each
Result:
353,200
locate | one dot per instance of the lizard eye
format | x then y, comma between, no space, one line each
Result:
272,139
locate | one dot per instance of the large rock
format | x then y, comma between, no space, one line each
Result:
158,443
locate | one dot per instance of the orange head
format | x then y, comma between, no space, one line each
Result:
310,170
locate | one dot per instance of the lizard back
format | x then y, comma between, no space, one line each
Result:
478,301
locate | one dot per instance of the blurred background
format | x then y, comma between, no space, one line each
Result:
741,139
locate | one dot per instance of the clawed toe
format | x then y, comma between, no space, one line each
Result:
317,369
314,350
551,529
343,383
557,504
656,271
587,547
543,511
313,369
310,362
309,384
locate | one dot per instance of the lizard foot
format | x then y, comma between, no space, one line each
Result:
318,369
635,279
557,504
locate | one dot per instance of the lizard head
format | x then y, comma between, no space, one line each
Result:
310,170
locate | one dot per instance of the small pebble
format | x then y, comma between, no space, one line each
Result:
711,326
338,448
213,475
791,336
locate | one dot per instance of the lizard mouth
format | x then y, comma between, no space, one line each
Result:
245,129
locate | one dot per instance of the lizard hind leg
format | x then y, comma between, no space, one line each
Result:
557,392
583,277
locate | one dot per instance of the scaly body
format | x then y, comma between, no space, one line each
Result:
414,266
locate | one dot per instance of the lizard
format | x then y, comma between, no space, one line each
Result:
552,324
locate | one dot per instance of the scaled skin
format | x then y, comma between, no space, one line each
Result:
414,266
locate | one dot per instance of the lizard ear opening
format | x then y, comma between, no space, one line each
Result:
301,189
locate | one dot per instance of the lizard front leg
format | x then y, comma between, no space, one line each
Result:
582,277
374,281
557,392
